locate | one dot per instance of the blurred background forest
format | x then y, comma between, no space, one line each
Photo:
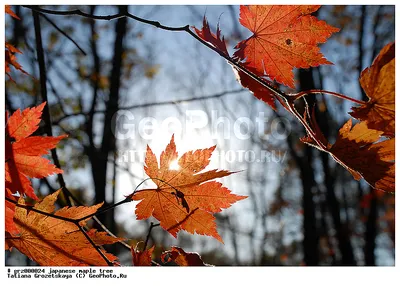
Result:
303,208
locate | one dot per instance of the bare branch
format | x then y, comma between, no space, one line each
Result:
151,104
63,33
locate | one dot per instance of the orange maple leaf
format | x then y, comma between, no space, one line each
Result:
182,258
54,242
378,82
142,258
10,50
23,153
356,147
283,37
184,199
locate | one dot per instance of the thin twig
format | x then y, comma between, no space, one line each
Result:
94,245
63,33
107,208
151,104
110,233
152,225
318,91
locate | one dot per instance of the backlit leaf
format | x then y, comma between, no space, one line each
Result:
182,258
142,258
23,153
184,199
54,242
378,82
284,37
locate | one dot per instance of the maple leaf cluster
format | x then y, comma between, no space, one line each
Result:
286,37
184,199
372,140
42,234
23,157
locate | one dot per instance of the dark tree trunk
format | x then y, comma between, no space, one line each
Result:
342,233
370,232
99,158
370,224
311,237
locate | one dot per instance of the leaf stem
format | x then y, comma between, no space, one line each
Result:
107,208
109,232
301,94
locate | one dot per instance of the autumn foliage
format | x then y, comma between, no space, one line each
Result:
186,198
286,37
11,51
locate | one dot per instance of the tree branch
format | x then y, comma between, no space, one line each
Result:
94,245
152,225
32,208
63,33
151,104
158,25
318,91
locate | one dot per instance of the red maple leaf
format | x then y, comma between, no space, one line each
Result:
283,37
214,39
185,199
23,153
9,225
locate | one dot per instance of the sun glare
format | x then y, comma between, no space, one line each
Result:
174,165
